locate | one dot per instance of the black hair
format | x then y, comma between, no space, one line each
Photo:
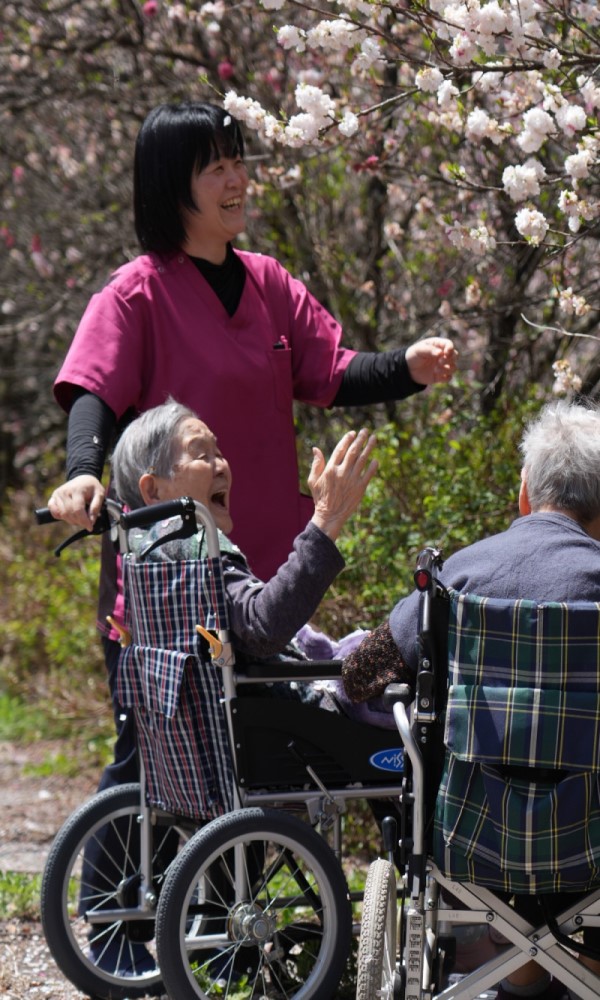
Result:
175,140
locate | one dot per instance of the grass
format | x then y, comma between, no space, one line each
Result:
22,722
19,895
19,721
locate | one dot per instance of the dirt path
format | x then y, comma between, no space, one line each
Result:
32,809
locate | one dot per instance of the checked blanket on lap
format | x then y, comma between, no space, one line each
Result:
524,693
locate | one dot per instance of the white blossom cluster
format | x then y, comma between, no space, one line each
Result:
566,380
572,304
477,239
523,180
532,225
318,111
520,110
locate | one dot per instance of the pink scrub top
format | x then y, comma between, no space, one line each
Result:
158,330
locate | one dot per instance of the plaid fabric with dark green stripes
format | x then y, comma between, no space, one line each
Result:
524,691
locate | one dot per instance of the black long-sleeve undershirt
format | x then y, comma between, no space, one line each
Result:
369,378
89,433
376,378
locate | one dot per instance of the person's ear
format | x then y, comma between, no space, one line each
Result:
149,489
524,505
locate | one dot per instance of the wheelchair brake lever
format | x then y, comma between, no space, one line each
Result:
311,771
70,540
101,524
186,530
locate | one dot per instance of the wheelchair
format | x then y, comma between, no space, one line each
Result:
225,861
490,748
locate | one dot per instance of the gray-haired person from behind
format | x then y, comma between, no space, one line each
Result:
561,460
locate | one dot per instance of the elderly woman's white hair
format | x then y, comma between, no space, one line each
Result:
147,445
561,459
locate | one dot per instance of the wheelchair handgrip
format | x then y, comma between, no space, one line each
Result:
144,516
43,516
397,692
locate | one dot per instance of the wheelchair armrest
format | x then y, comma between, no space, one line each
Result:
288,670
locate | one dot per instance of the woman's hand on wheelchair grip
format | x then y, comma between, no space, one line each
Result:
78,501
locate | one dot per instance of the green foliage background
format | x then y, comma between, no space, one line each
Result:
448,476
51,667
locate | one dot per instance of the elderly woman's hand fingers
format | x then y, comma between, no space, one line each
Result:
346,476
353,447
317,467
341,449
341,484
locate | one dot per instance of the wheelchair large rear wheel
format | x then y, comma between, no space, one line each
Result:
377,947
274,908
114,959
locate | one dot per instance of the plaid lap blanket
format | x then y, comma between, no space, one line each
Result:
524,691
173,687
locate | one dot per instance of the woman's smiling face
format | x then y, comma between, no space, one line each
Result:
199,471
219,193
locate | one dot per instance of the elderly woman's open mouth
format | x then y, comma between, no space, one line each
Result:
219,499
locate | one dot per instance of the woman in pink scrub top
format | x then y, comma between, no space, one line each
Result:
230,334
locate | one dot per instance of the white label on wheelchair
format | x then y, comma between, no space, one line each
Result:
389,760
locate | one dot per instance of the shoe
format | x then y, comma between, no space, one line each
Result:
554,991
121,957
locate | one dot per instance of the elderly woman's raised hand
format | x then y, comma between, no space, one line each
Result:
339,485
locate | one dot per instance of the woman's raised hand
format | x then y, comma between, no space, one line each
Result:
432,359
339,485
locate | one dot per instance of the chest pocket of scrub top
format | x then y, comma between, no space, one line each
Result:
280,358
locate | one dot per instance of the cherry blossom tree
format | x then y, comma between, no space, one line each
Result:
480,121
426,167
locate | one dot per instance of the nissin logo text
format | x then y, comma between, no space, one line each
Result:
389,760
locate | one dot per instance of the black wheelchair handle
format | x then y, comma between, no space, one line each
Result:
43,516
101,524
144,516
397,692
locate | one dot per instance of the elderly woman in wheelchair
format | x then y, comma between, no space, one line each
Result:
514,663
168,452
